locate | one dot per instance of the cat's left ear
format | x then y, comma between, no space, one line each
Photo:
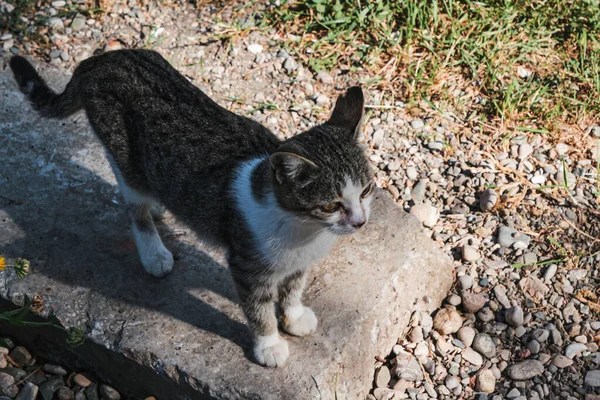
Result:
349,111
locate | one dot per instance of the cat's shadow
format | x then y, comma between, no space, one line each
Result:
66,220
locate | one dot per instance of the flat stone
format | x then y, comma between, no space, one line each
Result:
81,380
574,349
54,369
382,377
472,356
186,334
7,385
29,391
21,356
408,368
592,378
484,345
426,213
48,388
466,334
561,361
525,370
109,393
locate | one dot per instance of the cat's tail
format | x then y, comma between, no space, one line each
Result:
44,100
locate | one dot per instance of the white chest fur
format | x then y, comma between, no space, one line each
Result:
285,241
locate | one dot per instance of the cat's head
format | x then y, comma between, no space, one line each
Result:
322,175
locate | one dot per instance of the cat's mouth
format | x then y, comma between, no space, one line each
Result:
343,229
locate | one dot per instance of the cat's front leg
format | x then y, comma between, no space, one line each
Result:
298,319
257,301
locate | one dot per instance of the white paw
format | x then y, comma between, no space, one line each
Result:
300,321
271,351
159,263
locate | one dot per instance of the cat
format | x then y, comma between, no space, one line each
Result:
276,206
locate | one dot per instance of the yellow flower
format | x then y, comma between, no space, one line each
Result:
2,264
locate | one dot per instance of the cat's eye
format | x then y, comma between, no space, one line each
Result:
368,190
330,207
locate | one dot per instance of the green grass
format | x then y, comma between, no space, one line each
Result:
462,54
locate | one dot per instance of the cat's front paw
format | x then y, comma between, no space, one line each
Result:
300,321
271,351
159,263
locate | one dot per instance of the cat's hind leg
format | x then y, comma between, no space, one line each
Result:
156,259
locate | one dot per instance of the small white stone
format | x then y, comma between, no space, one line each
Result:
469,253
426,213
255,48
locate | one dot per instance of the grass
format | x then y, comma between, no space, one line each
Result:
519,63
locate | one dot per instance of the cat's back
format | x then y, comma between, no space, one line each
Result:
138,92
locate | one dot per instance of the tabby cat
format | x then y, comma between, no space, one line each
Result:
276,206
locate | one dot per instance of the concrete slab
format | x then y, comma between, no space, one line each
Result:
60,208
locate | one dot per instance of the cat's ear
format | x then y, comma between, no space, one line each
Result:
289,166
349,111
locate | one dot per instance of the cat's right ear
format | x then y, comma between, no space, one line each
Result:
289,167
349,110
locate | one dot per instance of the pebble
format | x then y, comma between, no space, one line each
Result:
484,345
472,302
592,378
451,382
525,370
59,3
427,214
64,393
486,381
54,369
453,300
6,36
29,391
411,173
7,385
488,200
408,368
465,282
418,191
324,77
534,346
561,361
48,388
541,335
378,141
500,293
485,314
550,272
81,380
109,393
78,23
469,253
472,356
383,376
508,237
514,316
21,356
525,150
54,54
447,321
571,179
574,349
417,124
255,48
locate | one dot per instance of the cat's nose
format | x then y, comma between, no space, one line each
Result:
359,224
